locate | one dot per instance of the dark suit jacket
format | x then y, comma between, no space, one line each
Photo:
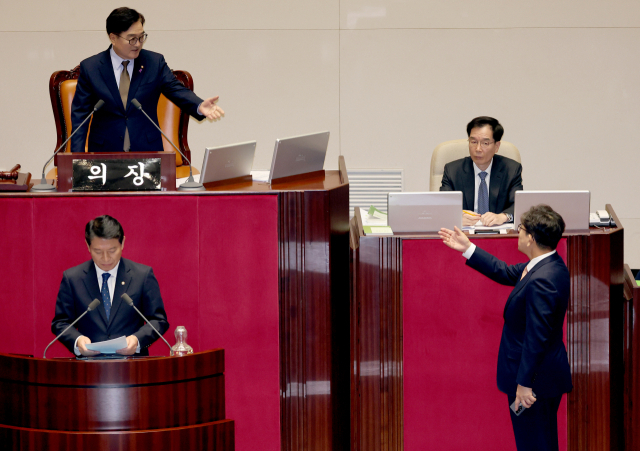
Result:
80,286
150,77
532,352
506,179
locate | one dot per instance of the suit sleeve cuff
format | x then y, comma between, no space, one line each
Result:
469,252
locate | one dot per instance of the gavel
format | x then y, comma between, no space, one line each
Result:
11,174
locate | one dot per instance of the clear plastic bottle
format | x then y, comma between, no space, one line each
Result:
181,347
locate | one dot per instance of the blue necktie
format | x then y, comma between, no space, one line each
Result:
483,194
106,298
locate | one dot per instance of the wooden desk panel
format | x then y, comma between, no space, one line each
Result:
594,412
215,254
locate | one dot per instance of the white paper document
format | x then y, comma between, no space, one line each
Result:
109,346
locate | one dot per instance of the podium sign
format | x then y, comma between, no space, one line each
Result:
116,175
116,171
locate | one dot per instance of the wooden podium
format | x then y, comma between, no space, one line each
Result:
164,403
425,331
257,269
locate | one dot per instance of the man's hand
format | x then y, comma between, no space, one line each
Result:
132,345
209,109
469,218
455,239
82,346
525,396
492,219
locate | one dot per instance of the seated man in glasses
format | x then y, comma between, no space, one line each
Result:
120,74
488,181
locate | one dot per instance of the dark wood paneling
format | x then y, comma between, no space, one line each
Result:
578,342
154,370
112,395
376,345
314,329
631,357
215,436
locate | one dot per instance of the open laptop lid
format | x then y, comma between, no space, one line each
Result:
299,155
573,206
424,212
227,162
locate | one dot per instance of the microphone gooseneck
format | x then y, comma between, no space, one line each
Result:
126,298
43,186
190,184
94,304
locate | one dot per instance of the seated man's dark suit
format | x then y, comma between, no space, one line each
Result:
150,77
506,179
80,286
532,352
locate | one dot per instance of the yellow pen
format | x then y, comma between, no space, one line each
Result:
472,213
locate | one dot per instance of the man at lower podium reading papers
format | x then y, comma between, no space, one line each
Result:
488,181
533,368
107,277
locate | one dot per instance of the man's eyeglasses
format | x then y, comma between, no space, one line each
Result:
521,227
484,144
134,41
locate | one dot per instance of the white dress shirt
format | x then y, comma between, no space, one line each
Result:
116,61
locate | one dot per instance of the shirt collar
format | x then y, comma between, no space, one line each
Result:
476,169
116,61
113,272
538,259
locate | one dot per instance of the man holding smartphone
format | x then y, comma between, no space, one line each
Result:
532,357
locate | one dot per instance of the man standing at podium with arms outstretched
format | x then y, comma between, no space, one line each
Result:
107,277
120,74
533,368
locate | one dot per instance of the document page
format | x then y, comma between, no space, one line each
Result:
109,346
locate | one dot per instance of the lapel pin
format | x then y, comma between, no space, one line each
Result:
141,67
123,283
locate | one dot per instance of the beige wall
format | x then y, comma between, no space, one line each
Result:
389,78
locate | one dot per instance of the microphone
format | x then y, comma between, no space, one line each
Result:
190,184
44,187
94,304
126,298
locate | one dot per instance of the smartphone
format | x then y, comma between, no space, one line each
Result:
520,407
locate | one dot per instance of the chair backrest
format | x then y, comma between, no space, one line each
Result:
454,150
173,122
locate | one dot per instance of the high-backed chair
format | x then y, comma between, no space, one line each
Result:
454,150
173,122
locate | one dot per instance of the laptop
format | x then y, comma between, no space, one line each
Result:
573,206
299,155
227,162
424,212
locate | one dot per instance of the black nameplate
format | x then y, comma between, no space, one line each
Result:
140,174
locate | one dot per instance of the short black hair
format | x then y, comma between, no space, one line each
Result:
544,225
121,20
481,121
105,227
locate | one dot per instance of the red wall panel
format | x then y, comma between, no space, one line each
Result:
452,325
215,258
